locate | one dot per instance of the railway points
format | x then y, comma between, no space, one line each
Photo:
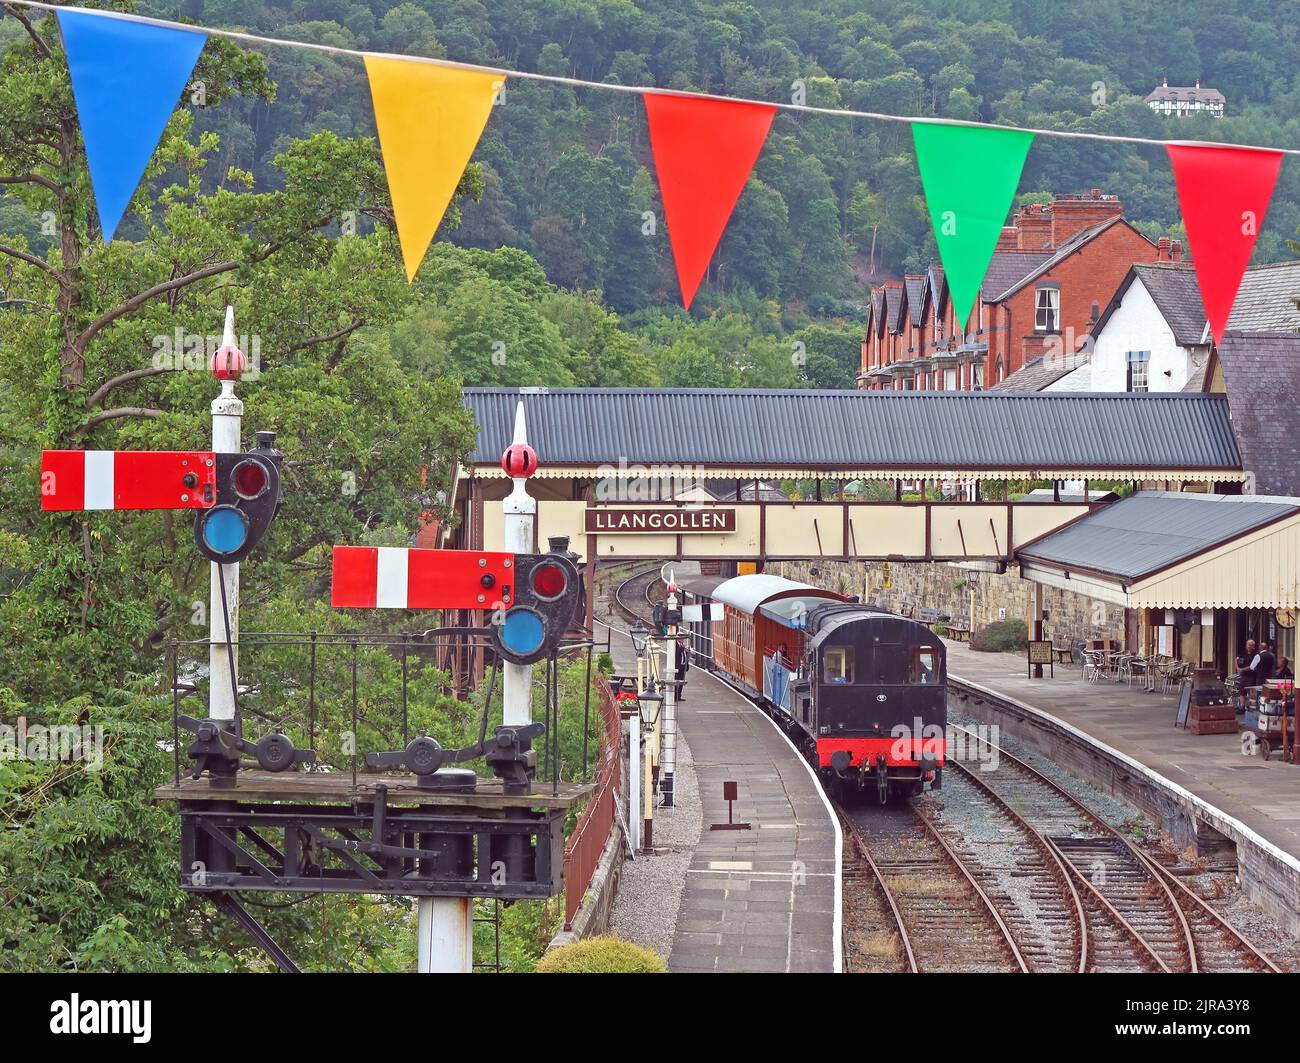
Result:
1201,789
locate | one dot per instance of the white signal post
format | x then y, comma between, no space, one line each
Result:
520,509
445,942
227,418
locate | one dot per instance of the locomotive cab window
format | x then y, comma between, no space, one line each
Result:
925,665
837,664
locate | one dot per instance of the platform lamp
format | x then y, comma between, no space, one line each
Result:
648,703
640,635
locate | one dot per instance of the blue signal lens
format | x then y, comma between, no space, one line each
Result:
522,631
225,530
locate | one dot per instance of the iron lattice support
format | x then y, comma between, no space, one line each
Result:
422,851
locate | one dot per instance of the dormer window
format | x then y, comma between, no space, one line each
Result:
1047,309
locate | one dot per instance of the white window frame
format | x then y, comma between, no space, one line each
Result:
1131,377
1047,311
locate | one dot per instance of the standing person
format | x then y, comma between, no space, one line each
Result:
683,663
1246,670
1265,664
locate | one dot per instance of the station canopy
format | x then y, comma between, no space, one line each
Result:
1176,550
730,434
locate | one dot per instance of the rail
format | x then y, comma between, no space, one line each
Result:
596,822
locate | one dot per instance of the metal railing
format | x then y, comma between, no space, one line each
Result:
592,831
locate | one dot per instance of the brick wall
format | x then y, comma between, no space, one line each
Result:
1091,275
949,589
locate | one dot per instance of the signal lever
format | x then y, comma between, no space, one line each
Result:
508,754
217,750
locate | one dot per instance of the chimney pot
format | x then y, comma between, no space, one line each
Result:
1176,250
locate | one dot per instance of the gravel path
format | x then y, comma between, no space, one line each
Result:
650,891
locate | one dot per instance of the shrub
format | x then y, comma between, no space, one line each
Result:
605,954
605,664
940,629
1002,635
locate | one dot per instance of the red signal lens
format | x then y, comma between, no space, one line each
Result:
549,580
249,479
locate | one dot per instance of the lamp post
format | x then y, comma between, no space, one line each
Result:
640,638
648,704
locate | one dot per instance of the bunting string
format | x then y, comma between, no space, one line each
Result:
127,72
284,42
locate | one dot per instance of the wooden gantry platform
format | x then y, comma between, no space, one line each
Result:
382,834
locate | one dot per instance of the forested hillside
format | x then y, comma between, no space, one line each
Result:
567,173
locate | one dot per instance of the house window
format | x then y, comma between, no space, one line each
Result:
950,380
997,371
1139,369
1047,310
978,376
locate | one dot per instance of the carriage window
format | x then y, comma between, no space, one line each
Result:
925,664
837,664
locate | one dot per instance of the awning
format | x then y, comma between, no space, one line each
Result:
1173,550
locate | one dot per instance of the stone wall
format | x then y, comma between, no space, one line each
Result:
950,589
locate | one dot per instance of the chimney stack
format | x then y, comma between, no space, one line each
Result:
1175,251
1072,213
1162,249
1035,224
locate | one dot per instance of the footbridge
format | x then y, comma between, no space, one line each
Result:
649,474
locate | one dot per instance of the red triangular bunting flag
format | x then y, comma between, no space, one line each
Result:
704,150
1223,193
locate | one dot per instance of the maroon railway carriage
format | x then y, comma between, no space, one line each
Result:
860,691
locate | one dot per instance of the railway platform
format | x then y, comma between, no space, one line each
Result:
765,899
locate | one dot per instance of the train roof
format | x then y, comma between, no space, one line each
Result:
776,597
832,617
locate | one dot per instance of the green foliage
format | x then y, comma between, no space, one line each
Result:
605,954
1001,636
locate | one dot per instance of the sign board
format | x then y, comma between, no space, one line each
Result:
695,614
1184,704
655,521
1040,652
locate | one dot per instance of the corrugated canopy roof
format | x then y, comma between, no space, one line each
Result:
1152,530
861,430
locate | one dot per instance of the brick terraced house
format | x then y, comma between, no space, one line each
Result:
1055,268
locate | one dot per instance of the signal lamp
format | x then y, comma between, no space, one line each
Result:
248,497
549,580
546,594
250,479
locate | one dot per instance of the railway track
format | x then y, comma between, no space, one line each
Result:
1136,915
631,598
941,917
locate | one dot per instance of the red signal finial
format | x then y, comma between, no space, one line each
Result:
520,460
229,362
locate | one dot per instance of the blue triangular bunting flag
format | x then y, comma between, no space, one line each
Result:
126,79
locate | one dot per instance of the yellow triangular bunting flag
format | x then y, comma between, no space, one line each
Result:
430,118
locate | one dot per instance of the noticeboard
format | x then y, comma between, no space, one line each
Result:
1040,652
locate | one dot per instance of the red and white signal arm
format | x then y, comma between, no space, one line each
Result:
124,479
394,577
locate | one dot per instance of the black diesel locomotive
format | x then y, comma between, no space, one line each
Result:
860,691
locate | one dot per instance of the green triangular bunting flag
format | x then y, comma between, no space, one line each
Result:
969,174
